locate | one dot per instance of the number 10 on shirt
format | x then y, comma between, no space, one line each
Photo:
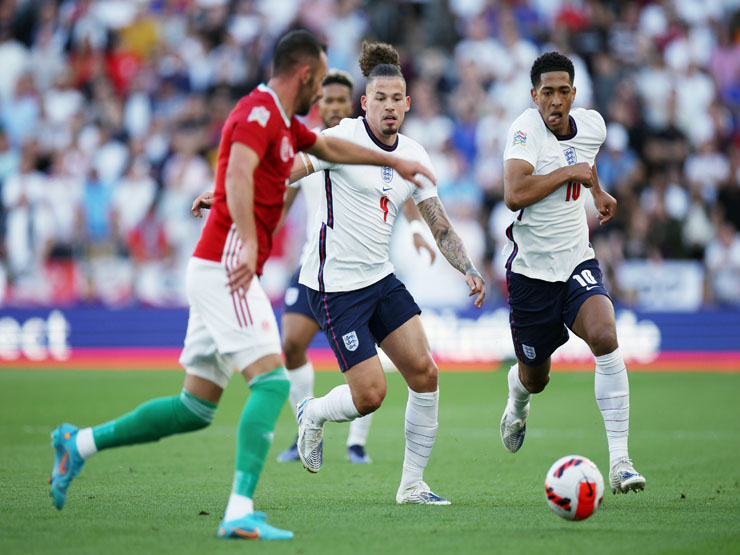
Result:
574,191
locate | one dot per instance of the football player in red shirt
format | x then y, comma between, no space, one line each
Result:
231,323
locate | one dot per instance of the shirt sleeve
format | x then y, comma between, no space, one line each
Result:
304,138
320,164
256,131
428,189
600,125
521,142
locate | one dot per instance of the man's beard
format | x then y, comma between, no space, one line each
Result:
304,107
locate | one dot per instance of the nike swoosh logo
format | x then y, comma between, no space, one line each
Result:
63,463
388,189
249,534
590,287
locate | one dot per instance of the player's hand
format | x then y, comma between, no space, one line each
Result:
605,204
420,243
203,202
582,173
408,170
477,286
240,276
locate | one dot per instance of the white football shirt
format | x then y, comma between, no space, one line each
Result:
349,245
312,187
548,239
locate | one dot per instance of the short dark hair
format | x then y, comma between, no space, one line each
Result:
379,60
338,77
550,61
293,48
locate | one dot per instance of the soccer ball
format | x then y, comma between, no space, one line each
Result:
574,487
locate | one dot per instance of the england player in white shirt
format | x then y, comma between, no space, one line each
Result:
299,325
553,276
353,292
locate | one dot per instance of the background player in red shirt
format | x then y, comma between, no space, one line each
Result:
231,323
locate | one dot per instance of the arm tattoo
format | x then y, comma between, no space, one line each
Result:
448,241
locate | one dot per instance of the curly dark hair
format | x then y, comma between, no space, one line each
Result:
550,61
379,59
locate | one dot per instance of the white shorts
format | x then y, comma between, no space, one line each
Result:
225,331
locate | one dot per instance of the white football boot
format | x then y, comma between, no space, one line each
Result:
624,478
310,438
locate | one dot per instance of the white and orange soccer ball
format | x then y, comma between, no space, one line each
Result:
574,487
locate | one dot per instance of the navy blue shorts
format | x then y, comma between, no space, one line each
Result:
541,310
355,321
296,298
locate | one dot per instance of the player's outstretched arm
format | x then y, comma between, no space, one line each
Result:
340,151
452,247
522,188
414,218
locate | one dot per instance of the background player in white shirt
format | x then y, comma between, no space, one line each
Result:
353,292
299,325
553,277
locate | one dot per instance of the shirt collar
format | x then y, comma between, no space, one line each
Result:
264,88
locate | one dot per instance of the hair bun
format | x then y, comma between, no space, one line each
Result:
375,54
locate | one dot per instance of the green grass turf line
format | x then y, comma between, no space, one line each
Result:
169,497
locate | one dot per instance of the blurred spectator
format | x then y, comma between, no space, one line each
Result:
617,164
21,111
722,261
27,222
132,197
155,282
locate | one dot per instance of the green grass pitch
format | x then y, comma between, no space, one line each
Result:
169,497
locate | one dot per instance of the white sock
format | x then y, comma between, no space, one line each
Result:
86,443
335,406
613,397
518,395
359,428
301,384
421,431
239,506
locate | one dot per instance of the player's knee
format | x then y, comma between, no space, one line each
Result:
427,376
603,340
295,352
275,383
369,401
536,383
193,413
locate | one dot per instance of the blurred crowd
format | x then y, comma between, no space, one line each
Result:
110,115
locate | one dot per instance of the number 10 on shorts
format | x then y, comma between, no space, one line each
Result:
585,279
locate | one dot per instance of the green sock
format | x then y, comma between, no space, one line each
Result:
254,437
156,419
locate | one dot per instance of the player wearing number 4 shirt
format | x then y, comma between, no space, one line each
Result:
353,292
553,276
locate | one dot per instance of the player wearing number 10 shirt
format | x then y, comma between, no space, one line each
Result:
553,277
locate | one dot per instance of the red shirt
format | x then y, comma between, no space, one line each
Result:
259,122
